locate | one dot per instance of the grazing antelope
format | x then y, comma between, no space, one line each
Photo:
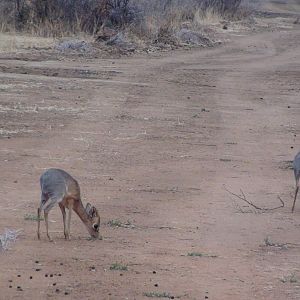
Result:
296,166
58,187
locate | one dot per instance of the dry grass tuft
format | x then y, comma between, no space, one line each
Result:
9,236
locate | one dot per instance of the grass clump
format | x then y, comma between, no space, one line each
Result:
118,223
32,217
115,223
200,254
118,267
158,295
289,279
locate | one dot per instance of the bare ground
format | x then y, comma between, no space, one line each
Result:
154,142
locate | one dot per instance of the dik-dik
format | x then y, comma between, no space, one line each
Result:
58,187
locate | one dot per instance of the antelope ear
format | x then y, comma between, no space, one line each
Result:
88,208
93,212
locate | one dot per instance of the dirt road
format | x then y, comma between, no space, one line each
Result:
154,142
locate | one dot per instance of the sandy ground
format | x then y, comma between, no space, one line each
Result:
154,141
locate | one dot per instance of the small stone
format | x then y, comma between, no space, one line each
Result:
57,290
10,286
38,270
154,272
66,293
36,261
30,277
121,274
61,264
54,284
156,285
46,275
59,274
19,275
225,27
10,280
51,275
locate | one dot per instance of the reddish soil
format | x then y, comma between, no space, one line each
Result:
154,141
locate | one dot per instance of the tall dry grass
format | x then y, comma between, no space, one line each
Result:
164,17
56,18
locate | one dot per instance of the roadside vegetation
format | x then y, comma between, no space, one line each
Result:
117,22
56,17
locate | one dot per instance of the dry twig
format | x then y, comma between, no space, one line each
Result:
261,209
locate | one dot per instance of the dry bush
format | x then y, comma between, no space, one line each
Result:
53,17
162,18
221,6
147,18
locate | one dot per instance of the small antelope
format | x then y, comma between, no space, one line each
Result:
296,166
58,187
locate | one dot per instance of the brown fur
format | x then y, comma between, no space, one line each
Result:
71,200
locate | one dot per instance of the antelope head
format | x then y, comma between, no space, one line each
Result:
94,220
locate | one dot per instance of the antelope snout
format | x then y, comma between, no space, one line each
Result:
95,235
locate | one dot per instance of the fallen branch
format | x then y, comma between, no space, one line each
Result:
243,198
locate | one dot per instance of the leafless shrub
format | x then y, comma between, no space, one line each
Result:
121,13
